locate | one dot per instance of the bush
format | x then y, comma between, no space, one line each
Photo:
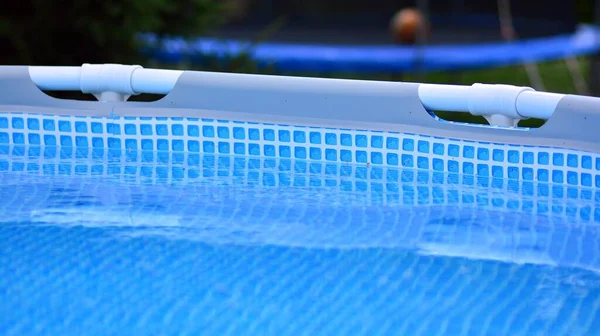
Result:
72,32
586,10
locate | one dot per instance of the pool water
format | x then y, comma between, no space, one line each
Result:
120,242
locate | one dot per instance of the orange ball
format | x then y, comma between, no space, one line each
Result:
406,24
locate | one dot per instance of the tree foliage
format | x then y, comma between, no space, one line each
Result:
586,10
72,32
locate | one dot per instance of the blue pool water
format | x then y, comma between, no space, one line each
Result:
121,242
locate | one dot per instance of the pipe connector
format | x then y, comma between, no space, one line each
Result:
496,102
100,78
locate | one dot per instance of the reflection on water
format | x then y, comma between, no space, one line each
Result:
275,245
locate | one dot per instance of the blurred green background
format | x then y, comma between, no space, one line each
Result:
72,32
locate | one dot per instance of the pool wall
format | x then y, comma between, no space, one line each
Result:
323,120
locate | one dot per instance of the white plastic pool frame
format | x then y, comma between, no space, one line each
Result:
117,82
352,121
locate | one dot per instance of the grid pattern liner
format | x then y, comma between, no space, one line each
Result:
369,185
222,137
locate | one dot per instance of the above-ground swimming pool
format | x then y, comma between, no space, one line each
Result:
197,214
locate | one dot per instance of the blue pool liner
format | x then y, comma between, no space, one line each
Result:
268,205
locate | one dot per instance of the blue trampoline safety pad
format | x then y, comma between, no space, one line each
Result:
382,58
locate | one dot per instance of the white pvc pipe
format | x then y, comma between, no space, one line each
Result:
448,98
533,104
154,80
70,78
56,78
483,99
